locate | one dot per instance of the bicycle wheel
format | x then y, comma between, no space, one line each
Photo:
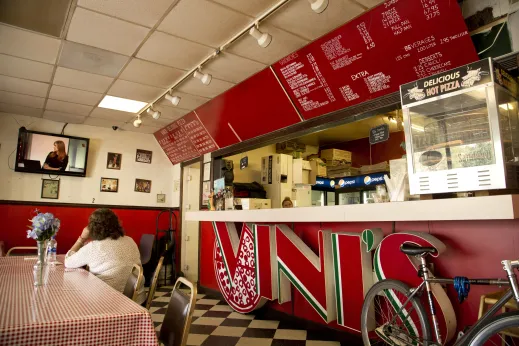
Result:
385,321
500,330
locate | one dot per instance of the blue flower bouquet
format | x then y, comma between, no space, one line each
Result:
43,227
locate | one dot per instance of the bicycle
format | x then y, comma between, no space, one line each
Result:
398,325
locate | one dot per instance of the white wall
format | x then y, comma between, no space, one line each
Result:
27,187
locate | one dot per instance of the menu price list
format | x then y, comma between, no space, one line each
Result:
185,139
397,42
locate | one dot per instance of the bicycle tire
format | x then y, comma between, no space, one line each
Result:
493,327
379,289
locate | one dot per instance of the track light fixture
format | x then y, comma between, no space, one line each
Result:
263,39
175,100
138,121
318,6
154,114
205,78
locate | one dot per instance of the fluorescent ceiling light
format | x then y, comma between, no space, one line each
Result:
120,104
506,106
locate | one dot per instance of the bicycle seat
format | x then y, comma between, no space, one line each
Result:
417,250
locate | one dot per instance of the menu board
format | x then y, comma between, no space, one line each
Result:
397,42
185,138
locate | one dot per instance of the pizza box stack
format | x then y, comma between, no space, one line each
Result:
338,163
379,167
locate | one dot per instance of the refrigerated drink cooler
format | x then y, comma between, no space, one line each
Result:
461,130
346,190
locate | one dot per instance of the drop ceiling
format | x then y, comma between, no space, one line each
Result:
61,64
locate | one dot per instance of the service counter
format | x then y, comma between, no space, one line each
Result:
302,259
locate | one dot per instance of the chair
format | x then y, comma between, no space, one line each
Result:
154,281
146,247
177,321
17,248
134,282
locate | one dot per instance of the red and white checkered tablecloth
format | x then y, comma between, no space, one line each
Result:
73,308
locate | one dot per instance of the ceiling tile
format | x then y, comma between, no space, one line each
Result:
29,45
63,117
102,122
67,107
297,17
195,87
146,72
22,100
203,21
171,113
173,51
73,95
90,59
23,68
23,86
160,122
104,32
250,7
134,91
283,43
143,12
81,80
22,110
232,68
187,101
142,129
111,114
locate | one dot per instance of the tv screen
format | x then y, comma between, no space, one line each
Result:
52,154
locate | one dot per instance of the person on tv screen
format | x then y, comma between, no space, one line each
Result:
57,160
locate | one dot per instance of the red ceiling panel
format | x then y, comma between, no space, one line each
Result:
395,43
253,108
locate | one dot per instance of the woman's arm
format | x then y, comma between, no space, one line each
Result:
46,166
78,256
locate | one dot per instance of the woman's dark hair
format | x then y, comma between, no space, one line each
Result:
103,223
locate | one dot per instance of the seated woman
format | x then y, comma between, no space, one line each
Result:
110,255
57,160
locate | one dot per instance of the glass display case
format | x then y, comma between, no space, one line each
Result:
461,130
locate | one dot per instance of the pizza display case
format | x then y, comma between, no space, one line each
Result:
461,130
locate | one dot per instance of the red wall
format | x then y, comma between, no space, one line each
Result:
474,249
135,222
385,151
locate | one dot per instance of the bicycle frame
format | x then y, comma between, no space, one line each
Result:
427,281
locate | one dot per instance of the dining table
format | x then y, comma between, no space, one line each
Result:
72,307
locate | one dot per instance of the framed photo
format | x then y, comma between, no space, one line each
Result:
161,198
109,184
143,156
49,188
113,161
142,185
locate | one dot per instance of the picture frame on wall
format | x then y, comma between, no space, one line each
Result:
109,185
113,161
142,185
143,156
50,188
161,198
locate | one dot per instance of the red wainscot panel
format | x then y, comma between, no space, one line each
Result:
206,275
185,139
397,42
135,222
475,249
254,107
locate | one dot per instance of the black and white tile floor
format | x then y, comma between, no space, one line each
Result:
216,324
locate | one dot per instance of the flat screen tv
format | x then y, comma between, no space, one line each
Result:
53,154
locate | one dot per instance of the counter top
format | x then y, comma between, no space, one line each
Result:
504,207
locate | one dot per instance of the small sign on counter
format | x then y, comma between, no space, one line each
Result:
379,134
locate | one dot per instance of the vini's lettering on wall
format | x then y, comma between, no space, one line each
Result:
266,260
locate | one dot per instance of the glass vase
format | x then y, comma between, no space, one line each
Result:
40,264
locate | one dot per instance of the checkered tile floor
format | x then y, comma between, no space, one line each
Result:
215,324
